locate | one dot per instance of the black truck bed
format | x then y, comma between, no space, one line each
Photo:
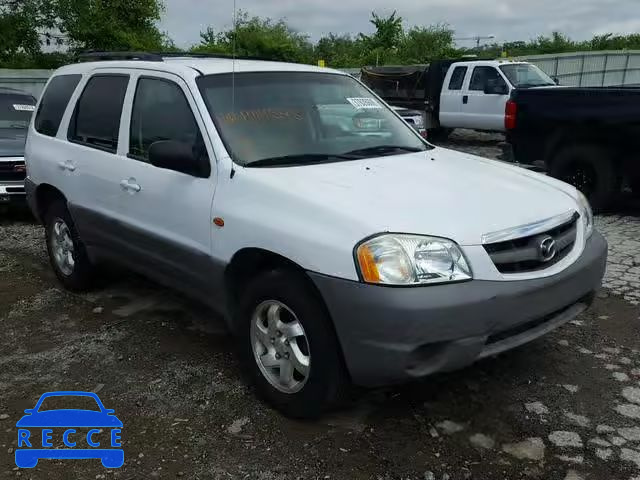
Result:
587,136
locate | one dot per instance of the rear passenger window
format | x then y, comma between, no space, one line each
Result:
54,103
162,112
457,78
96,120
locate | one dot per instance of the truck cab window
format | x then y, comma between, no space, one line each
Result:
457,78
482,75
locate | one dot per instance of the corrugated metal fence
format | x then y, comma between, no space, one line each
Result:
591,69
31,81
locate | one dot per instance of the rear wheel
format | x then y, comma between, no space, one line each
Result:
291,350
67,253
592,170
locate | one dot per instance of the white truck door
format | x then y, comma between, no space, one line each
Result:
480,110
451,96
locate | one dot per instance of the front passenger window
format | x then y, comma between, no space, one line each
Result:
162,112
481,77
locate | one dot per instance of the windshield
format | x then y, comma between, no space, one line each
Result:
303,118
16,111
526,75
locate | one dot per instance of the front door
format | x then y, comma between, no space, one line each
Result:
168,213
480,110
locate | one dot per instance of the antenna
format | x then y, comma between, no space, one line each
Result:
233,62
233,74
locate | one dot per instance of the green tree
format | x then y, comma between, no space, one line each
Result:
423,44
340,51
258,37
111,24
388,32
21,22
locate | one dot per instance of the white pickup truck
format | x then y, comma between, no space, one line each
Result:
452,94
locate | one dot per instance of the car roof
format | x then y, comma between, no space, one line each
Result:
193,66
489,63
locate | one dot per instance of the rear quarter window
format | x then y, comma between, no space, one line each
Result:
54,103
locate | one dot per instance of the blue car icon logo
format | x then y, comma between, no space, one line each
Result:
80,433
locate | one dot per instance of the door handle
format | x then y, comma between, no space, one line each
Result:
67,166
130,185
465,99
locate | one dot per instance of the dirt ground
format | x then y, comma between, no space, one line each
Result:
565,407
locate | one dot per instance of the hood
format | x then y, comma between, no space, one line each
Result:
12,142
69,418
439,192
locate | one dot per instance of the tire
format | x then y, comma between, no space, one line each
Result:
635,187
592,170
289,296
440,134
76,275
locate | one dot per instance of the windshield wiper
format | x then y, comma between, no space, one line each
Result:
300,159
383,150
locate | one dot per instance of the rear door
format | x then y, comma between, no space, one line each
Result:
92,160
451,97
480,110
168,223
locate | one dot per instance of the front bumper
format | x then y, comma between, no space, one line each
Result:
393,334
12,193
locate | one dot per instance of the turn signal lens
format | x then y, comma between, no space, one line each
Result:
368,265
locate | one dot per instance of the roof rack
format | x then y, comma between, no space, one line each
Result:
93,56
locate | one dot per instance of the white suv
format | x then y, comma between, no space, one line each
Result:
339,245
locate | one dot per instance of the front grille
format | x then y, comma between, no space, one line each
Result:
8,171
523,254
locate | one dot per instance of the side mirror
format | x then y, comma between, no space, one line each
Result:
29,411
177,156
495,87
109,411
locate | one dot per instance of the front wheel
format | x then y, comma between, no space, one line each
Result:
291,349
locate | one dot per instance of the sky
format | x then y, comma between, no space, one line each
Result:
508,20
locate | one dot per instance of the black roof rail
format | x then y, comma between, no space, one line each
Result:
93,56
98,56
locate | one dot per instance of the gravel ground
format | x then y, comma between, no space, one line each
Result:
565,407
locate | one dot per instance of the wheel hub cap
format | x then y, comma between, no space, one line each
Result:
280,346
62,247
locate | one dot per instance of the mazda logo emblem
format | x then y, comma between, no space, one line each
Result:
547,249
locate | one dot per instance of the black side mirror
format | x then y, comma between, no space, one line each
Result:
495,87
177,156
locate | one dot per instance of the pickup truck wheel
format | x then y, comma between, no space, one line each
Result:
591,170
67,253
291,350
440,134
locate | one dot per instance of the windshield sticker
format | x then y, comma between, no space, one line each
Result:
365,103
265,114
23,108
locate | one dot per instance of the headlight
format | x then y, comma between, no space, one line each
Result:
397,259
586,213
